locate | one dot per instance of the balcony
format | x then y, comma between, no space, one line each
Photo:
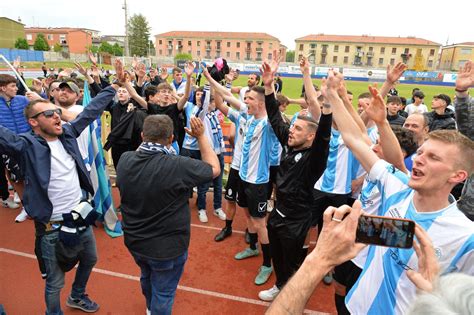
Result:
324,52
260,49
169,47
208,47
359,54
370,54
248,49
312,52
218,48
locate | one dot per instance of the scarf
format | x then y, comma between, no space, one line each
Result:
153,148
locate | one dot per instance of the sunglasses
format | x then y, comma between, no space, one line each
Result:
48,113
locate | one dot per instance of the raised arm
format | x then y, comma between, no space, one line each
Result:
464,105
320,146
223,91
352,135
388,141
393,75
314,107
134,95
187,91
10,143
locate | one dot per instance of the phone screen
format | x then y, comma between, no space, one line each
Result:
385,231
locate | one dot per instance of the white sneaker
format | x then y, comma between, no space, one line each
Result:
22,216
9,204
270,294
202,216
220,213
148,312
16,198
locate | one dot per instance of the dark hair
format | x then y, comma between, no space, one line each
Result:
260,90
199,89
403,100
150,91
394,99
177,70
419,94
414,90
157,128
257,76
364,95
406,139
312,123
349,92
282,99
28,111
6,79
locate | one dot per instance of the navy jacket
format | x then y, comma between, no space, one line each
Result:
33,153
12,116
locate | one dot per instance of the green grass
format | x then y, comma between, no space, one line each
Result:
292,89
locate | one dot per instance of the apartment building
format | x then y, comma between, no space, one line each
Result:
233,46
367,51
455,56
73,40
10,31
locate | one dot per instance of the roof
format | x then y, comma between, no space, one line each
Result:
218,35
368,39
58,29
4,17
464,44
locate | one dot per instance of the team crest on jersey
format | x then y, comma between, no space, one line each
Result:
262,206
438,253
298,157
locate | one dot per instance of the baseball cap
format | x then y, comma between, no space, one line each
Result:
443,97
71,85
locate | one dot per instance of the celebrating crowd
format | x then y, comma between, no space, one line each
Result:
320,170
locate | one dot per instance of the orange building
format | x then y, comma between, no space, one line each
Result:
73,40
233,46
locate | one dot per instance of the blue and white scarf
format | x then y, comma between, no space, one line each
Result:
152,147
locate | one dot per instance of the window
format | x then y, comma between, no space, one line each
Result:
62,38
160,42
228,44
160,52
313,46
238,44
382,50
198,43
259,56
189,43
392,61
430,63
346,60
336,48
199,53
270,45
248,56
432,52
394,50
50,36
190,52
334,59
269,56
301,46
464,51
346,49
29,37
380,61
406,51
228,54
237,55
371,49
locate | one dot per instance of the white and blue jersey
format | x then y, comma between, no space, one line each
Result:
257,145
190,142
215,132
383,286
276,154
239,118
341,167
373,133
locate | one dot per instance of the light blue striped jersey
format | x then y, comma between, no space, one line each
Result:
341,167
239,118
257,145
383,287
190,142
276,154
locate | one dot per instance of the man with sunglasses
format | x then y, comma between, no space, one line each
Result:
56,173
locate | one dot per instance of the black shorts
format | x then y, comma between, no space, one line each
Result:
232,186
321,201
253,197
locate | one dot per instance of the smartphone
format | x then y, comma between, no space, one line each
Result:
385,231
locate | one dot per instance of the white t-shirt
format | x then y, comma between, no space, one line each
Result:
64,190
242,93
412,108
83,139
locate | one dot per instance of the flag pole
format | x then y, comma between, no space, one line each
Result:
16,73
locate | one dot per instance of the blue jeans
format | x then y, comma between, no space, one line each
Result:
159,280
55,278
203,188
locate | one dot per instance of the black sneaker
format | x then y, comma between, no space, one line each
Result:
224,233
247,236
84,304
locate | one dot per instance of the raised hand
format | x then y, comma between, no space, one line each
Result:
275,62
134,63
197,128
190,66
164,73
465,77
304,65
33,96
93,59
119,71
17,62
141,70
80,68
377,109
395,73
37,84
334,79
267,74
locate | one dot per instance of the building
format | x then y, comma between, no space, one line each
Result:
10,31
233,46
456,55
111,39
72,40
367,51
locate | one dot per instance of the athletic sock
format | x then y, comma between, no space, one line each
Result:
253,240
267,261
228,224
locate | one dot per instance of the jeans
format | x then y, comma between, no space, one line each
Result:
55,278
159,280
203,188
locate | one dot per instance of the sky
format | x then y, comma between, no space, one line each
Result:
439,21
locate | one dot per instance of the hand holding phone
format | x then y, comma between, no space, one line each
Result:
385,231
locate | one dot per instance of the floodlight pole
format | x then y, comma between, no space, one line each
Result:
127,51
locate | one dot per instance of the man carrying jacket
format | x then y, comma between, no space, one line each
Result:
55,174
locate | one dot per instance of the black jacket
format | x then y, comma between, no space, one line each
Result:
443,121
299,169
396,120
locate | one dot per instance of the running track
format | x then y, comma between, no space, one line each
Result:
213,281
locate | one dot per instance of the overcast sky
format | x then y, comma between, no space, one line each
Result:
437,21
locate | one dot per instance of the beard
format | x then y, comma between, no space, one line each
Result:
66,102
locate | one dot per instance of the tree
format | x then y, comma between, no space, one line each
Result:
138,35
57,47
118,51
106,47
182,56
21,43
290,56
41,43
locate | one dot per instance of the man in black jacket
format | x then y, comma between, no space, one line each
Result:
303,160
441,117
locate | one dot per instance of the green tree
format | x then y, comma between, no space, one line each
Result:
182,56
118,51
21,43
41,43
290,56
106,47
138,35
57,47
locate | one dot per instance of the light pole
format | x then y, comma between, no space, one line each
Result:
127,51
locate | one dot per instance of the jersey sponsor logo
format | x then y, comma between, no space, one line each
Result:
398,261
262,206
393,212
438,253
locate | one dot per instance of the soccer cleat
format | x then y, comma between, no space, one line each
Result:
263,274
246,253
223,234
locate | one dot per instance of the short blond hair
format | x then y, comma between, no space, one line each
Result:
465,145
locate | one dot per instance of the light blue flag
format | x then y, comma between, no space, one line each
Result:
103,200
